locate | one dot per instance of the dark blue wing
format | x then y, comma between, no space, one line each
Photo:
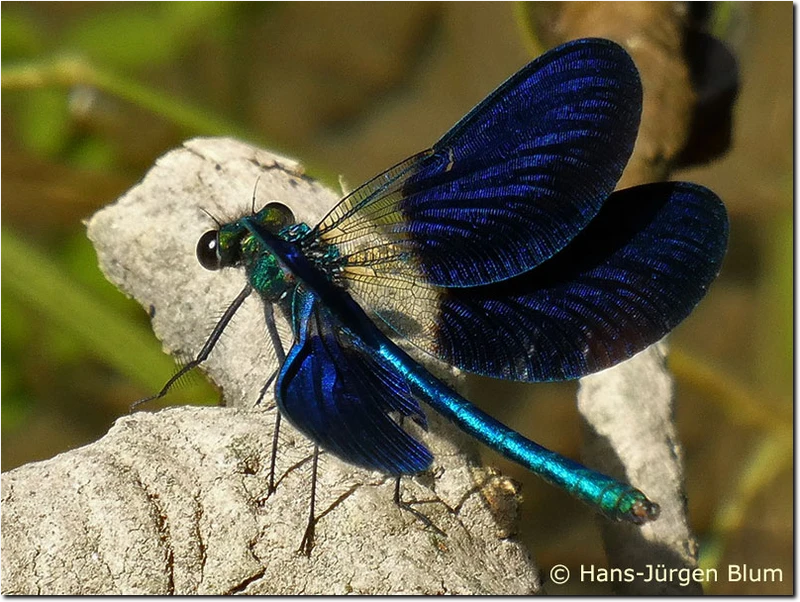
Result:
630,277
509,185
340,397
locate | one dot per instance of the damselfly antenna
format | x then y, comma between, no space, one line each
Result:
209,214
253,204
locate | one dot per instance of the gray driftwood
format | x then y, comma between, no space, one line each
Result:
175,502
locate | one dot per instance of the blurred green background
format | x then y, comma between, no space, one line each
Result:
93,93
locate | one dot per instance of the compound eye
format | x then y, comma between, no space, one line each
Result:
208,250
279,216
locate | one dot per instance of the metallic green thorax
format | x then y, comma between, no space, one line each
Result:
238,247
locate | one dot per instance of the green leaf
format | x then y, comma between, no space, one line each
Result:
41,284
44,121
21,38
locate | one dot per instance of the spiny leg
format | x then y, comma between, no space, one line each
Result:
308,537
403,505
271,485
205,351
280,354
265,388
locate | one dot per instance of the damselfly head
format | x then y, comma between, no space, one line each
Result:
223,247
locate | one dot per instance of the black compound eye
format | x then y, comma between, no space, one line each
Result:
279,216
208,250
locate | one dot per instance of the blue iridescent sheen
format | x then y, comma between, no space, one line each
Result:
613,498
628,279
340,395
501,250
517,178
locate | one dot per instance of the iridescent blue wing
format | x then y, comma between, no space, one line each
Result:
341,397
509,185
629,278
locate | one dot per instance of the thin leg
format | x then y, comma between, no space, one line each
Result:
280,354
403,505
271,484
308,538
205,351
265,388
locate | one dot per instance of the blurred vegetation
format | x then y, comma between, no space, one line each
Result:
93,93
